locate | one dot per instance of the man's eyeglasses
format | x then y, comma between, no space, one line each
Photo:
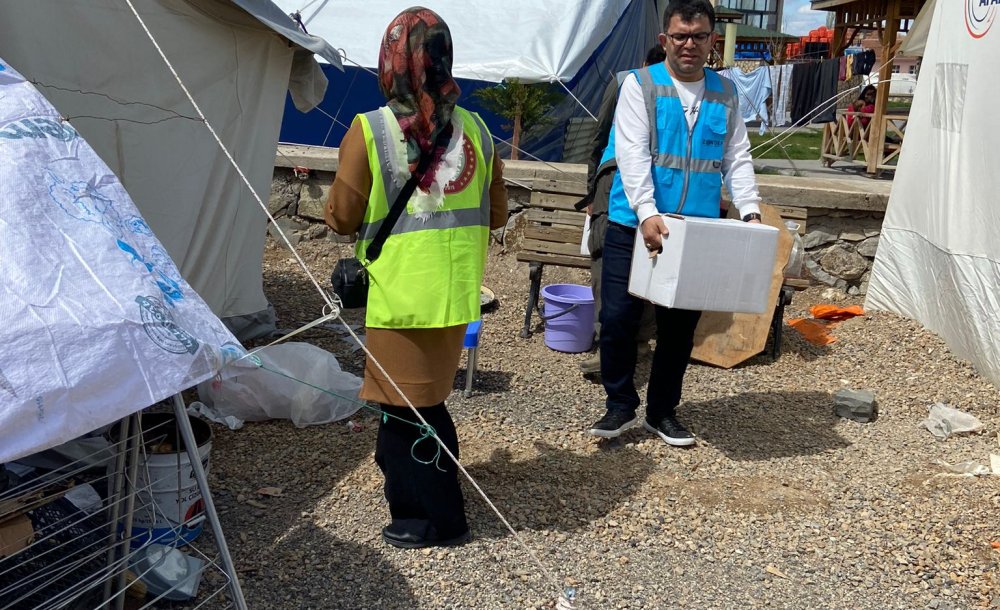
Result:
681,39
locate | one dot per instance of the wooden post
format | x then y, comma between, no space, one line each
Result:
876,134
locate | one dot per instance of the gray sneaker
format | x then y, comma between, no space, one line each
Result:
592,365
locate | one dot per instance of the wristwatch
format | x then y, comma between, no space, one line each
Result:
751,216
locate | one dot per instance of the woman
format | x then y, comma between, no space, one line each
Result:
424,286
864,104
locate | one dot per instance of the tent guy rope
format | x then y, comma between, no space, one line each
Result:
566,595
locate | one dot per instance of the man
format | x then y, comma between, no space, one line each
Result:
672,157
599,177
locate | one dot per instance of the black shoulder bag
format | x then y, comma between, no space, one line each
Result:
350,278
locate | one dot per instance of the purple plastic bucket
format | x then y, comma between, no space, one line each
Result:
569,317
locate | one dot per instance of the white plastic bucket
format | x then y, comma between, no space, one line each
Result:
169,506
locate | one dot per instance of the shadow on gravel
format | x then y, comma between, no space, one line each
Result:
309,568
485,382
762,426
555,490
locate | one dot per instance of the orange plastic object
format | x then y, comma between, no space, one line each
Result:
814,331
834,313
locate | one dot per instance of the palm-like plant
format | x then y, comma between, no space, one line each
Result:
525,106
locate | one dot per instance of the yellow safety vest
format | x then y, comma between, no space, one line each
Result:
430,270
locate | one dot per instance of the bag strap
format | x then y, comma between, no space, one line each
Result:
374,249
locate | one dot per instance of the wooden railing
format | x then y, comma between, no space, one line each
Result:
854,141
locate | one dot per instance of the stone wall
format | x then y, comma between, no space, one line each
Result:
298,203
840,247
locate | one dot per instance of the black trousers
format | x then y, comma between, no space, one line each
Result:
620,315
420,495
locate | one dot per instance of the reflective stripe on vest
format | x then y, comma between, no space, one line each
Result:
431,267
686,163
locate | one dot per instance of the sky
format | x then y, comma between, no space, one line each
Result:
799,19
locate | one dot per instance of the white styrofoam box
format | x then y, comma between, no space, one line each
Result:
707,264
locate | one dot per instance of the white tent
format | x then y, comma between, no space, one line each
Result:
93,61
531,40
916,39
938,259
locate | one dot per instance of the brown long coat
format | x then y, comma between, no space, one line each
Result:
422,362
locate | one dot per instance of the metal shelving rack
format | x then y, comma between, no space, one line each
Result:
88,560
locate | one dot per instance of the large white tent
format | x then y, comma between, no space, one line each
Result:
938,259
93,61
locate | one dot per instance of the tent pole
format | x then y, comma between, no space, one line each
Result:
117,481
130,480
191,446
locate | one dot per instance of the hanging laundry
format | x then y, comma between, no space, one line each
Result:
864,62
827,94
803,90
752,90
781,87
850,67
814,89
842,75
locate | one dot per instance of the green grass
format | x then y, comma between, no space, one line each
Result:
799,145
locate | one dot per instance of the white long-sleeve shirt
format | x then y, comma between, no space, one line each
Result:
635,162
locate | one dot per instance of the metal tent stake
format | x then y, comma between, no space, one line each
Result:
191,446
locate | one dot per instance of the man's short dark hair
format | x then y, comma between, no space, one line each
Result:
655,55
688,11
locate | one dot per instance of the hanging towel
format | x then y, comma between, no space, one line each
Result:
752,90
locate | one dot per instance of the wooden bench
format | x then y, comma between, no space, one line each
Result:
552,235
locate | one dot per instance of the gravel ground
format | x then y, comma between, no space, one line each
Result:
781,504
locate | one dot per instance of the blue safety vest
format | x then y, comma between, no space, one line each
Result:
686,163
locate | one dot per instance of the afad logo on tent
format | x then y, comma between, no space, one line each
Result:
979,16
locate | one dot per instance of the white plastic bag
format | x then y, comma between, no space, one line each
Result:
585,242
282,388
943,421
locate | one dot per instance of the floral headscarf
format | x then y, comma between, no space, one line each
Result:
414,66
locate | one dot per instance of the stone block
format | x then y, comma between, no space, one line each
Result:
819,274
844,263
294,237
858,405
284,194
317,231
817,237
312,199
852,236
868,247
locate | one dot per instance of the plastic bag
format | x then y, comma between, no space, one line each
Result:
943,421
281,388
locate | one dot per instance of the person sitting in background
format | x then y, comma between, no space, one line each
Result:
864,104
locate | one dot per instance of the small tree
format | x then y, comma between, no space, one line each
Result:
525,106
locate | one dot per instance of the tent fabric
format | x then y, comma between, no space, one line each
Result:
96,65
526,39
938,259
916,39
620,47
98,322
269,14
